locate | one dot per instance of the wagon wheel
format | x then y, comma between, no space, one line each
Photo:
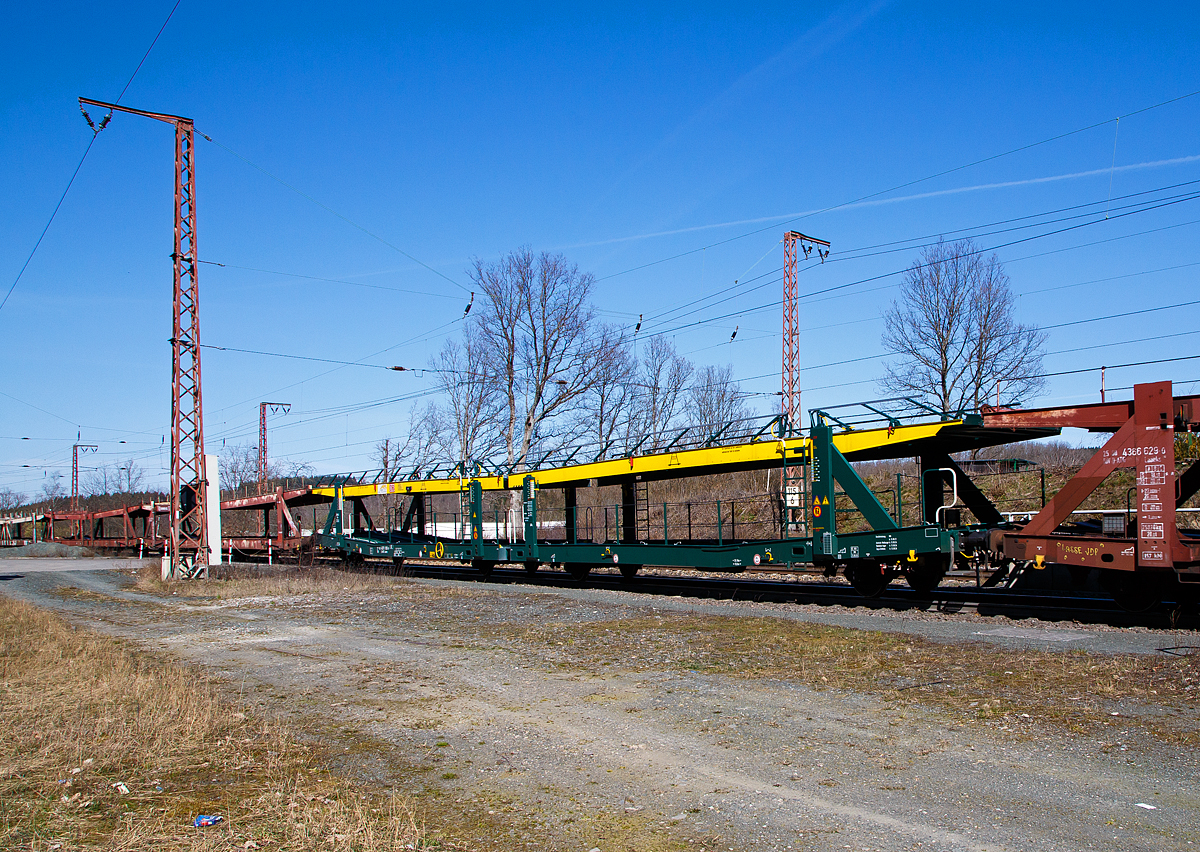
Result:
483,567
1133,591
531,566
629,571
924,575
578,570
869,579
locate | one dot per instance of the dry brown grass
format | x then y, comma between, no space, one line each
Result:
81,714
1070,691
297,581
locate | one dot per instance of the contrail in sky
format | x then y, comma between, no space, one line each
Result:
881,201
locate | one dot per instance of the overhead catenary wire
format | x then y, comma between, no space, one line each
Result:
1027,239
727,294
79,165
1046,327
417,338
1041,290
978,231
842,287
329,280
1148,206
867,381
329,209
50,222
358,407
787,221
320,360
1018,378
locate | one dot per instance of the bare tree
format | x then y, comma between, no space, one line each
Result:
463,430
498,326
715,400
53,494
291,469
542,341
404,457
386,456
100,481
955,336
10,499
239,466
129,478
607,405
662,379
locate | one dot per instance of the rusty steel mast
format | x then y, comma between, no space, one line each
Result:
791,320
188,539
87,448
263,407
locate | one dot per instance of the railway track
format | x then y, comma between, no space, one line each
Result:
1015,604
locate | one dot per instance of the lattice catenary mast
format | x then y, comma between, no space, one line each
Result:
791,320
263,407
87,448
188,539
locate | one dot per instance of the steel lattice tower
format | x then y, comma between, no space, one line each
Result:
188,539
791,333
189,527
87,448
791,321
262,446
263,407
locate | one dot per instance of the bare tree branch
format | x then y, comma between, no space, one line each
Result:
129,477
464,429
608,404
542,341
715,400
10,499
53,494
662,379
955,336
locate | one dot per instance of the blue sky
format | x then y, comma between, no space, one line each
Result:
617,135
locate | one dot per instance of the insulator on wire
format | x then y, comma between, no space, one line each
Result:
735,331
88,119
104,122
467,309
638,327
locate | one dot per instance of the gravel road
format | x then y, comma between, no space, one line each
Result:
575,757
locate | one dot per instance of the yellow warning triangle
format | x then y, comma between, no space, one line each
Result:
825,502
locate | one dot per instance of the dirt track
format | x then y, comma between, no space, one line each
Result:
553,749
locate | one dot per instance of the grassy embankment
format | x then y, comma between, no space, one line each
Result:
105,747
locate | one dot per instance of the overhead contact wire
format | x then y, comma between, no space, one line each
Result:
86,151
329,209
1017,150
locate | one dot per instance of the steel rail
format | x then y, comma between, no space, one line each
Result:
1045,605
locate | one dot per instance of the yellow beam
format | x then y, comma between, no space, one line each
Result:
661,465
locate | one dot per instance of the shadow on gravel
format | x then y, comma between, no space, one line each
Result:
1043,604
